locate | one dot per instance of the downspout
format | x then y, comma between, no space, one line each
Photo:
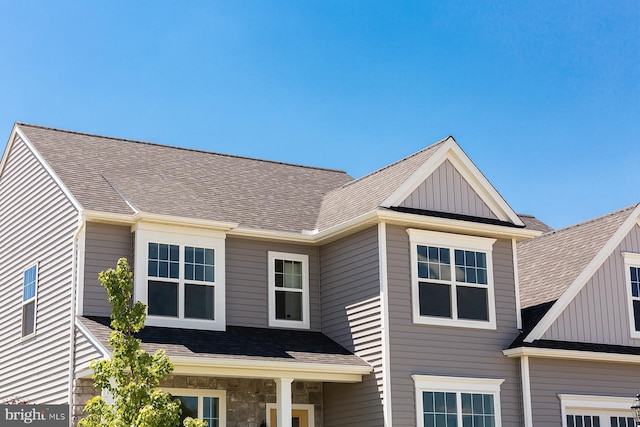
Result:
72,329
384,324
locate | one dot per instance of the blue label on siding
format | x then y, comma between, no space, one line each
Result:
34,415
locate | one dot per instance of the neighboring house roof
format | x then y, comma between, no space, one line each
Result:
236,343
554,267
101,172
534,223
548,265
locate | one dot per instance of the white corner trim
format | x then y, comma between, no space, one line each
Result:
516,279
76,204
451,151
384,302
572,291
526,392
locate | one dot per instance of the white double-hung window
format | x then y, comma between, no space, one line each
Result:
288,290
632,278
29,294
452,279
457,402
180,276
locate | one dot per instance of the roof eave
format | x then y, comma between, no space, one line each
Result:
551,353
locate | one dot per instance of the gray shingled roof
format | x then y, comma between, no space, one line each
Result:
167,180
240,343
367,193
548,264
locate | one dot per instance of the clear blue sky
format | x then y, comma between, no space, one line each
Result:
544,95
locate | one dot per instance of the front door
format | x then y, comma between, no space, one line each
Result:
299,418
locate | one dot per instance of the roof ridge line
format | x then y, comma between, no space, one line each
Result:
195,150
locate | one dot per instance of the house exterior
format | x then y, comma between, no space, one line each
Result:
288,295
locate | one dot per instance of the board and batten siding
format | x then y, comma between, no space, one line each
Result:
550,377
447,350
351,316
599,313
104,245
247,288
445,190
37,224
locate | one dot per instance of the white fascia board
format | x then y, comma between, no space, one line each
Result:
572,291
132,219
76,204
93,340
251,368
451,151
551,353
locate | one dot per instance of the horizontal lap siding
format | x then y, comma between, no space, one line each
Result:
247,280
599,313
351,316
550,377
449,351
104,245
37,223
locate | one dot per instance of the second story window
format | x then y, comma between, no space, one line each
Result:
288,290
29,294
452,279
183,284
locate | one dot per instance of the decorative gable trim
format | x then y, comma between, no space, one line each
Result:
451,151
572,291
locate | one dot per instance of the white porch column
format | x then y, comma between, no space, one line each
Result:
283,401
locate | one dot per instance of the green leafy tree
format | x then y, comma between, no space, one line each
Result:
131,375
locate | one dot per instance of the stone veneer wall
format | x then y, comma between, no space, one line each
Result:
246,398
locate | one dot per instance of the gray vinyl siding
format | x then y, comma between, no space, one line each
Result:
37,224
599,313
449,351
247,280
104,245
445,190
351,316
85,352
550,377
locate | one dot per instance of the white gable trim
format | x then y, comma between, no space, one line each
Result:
572,291
93,340
451,151
45,165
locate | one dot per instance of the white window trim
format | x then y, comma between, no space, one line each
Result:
593,405
34,299
200,394
145,233
294,406
456,385
630,260
304,259
451,241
